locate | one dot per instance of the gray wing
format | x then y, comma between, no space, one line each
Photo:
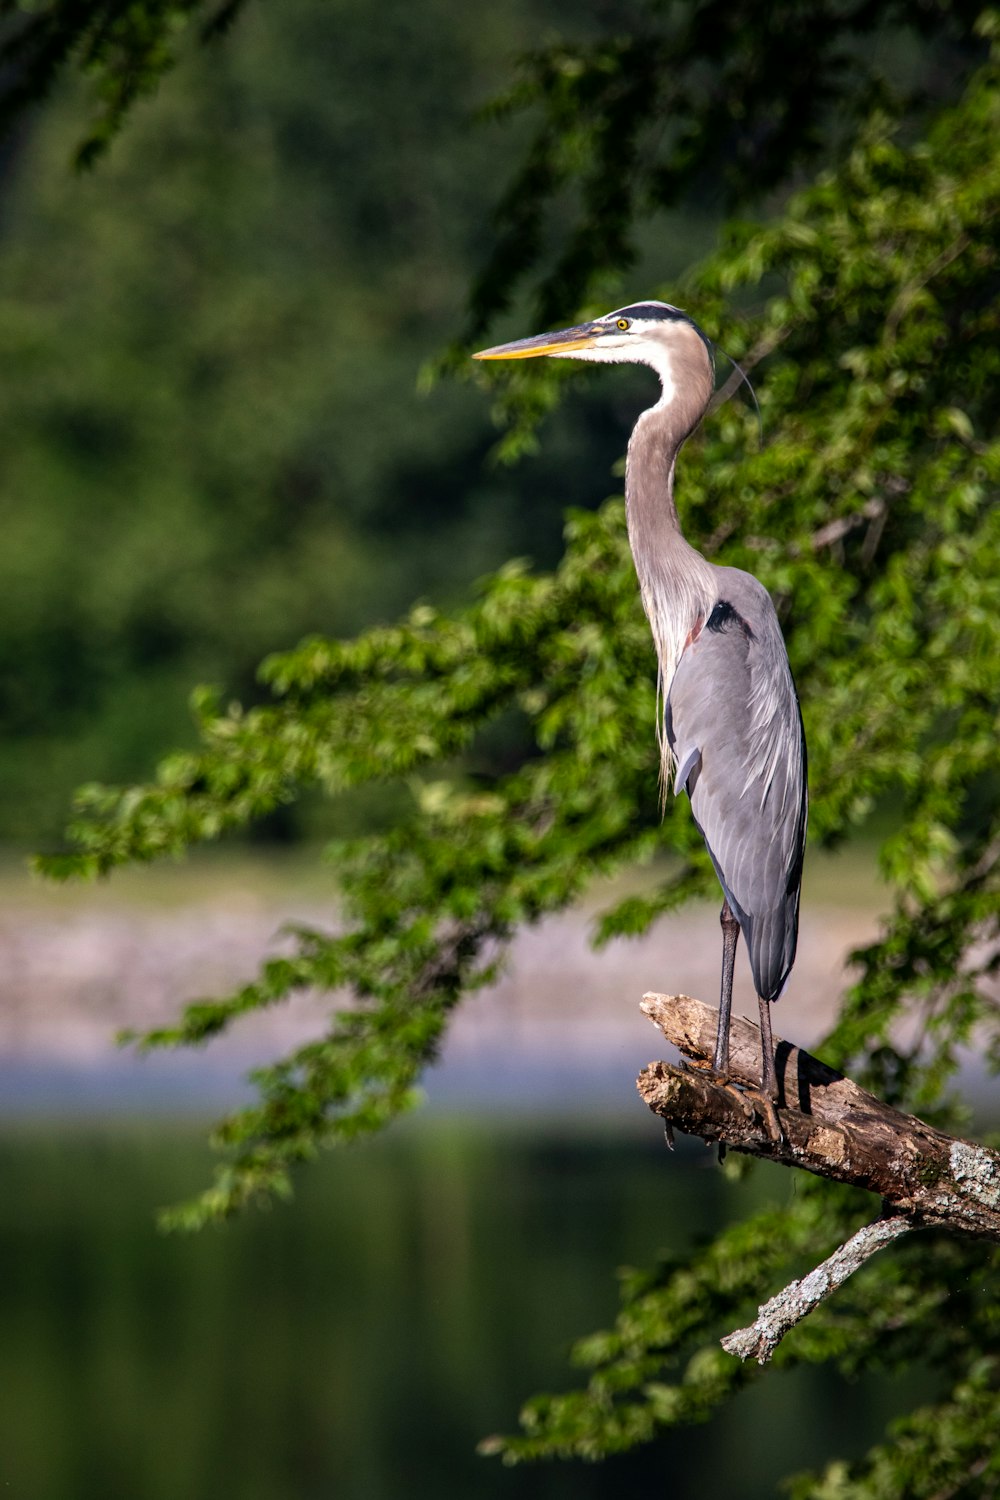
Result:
732,721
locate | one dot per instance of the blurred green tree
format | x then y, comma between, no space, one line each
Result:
213,440
870,514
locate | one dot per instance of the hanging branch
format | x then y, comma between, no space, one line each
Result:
829,1126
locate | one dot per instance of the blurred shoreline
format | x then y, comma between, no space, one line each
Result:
561,1029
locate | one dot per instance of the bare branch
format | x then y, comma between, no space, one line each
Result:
841,526
916,284
797,1300
829,1125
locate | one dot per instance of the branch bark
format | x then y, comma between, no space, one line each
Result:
791,1305
829,1125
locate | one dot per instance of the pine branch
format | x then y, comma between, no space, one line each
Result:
829,1125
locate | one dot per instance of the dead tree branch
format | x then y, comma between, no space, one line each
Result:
798,1299
830,1127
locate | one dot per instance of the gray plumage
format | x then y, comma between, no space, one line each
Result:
731,732
732,722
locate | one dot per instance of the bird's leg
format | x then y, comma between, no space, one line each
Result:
730,937
768,1075
720,1062
767,1095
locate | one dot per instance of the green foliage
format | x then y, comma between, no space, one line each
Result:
948,1449
434,898
661,1366
871,514
213,442
873,521
124,49
687,102
661,1331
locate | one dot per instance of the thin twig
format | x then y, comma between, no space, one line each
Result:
797,1300
841,526
909,290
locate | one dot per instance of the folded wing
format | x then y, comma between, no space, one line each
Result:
733,723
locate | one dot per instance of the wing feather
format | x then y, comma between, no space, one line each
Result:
733,716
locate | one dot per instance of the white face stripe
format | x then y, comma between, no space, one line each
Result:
647,341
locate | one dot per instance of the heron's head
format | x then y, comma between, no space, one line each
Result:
645,333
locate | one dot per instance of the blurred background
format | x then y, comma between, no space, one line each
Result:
213,439
213,444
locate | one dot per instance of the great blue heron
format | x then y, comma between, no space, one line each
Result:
731,732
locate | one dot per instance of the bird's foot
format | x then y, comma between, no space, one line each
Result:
752,1101
768,1111
723,1081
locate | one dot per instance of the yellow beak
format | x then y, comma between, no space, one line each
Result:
584,336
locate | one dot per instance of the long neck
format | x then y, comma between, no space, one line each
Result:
677,584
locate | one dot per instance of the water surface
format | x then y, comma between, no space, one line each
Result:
357,1343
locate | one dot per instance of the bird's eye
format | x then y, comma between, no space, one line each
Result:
624,323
